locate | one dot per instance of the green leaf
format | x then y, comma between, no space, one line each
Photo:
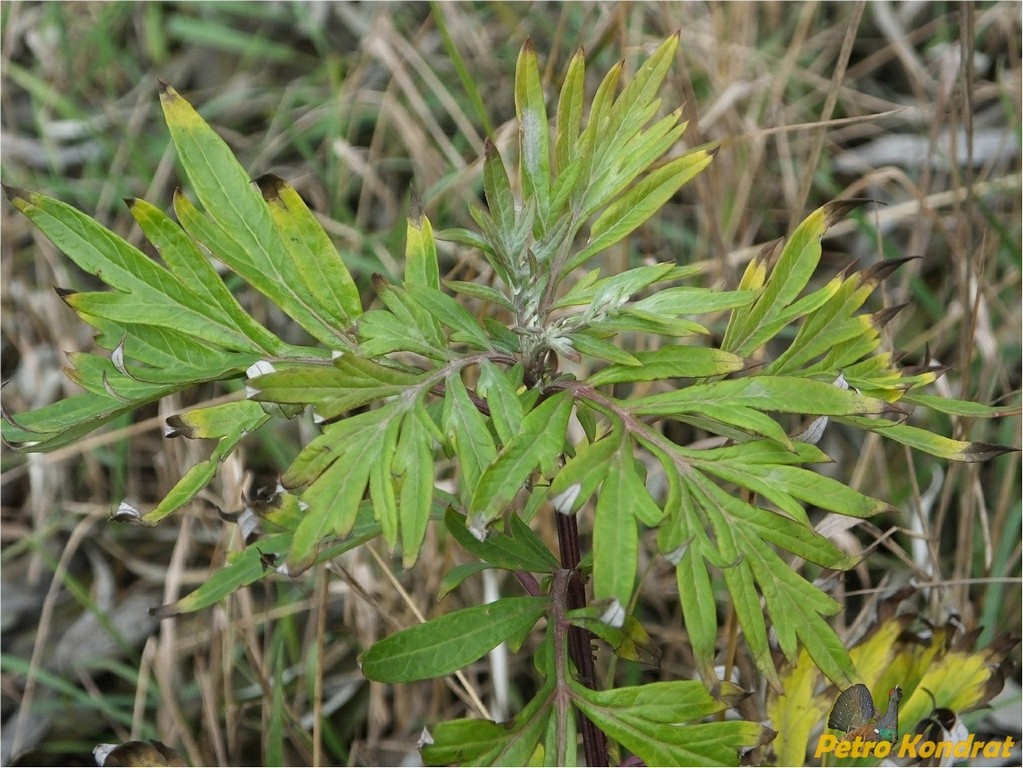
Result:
63,422
448,643
647,721
738,579
678,361
421,266
521,550
797,483
643,87
381,483
481,292
467,432
534,139
413,469
583,473
603,350
146,292
229,422
482,742
639,203
333,389
630,641
540,440
928,442
332,506
635,152
795,536
699,609
151,309
454,578
613,291
382,332
499,388
750,327
684,300
195,271
404,325
239,229
784,394
449,312
250,564
336,439
955,407
629,319
497,188
570,113
615,535
323,273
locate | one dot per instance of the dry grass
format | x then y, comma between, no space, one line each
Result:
352,103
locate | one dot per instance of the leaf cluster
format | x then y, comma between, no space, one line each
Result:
416,375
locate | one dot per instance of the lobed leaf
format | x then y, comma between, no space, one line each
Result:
536,445
482,742
239,227
449,312
750,327
647,720
519,550
316,260
183,257
639,204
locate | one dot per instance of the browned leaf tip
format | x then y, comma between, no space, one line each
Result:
137,753
769,252
6,415
837,210
875,273
126,513
983,451
13,192
165,90
415,212
177,427
882,318
270,186
162,612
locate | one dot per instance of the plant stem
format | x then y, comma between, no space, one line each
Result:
594,741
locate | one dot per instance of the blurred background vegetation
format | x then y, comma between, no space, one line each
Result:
356,103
